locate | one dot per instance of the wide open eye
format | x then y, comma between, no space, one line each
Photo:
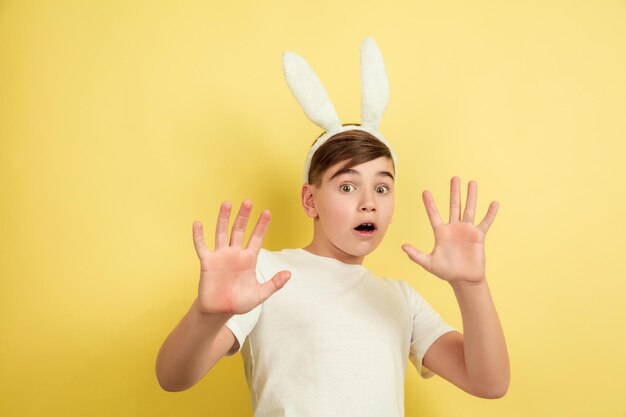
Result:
346,187
384,188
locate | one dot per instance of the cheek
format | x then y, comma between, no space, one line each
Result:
337,214
389,212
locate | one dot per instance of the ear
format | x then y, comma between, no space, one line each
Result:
374,84
309,92
308,200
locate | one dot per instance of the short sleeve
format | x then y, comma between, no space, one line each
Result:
428,326
242,324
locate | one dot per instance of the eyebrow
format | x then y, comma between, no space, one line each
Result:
355,172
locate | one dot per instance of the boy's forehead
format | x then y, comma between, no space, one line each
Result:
382,167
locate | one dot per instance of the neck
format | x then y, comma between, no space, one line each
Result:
331,251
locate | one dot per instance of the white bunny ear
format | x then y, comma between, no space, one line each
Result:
374,84
309,92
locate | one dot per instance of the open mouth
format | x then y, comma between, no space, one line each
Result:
366,227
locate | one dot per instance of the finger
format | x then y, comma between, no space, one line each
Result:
470,205
489,217
241,222
198,240
431,209
256,239
276,283
418,257
455,199
221,230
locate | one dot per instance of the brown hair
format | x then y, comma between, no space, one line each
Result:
355,146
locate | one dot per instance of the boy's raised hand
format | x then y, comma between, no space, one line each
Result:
459,253
228,283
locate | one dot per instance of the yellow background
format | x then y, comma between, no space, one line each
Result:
122,122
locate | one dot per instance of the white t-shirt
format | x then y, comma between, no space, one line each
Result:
334,341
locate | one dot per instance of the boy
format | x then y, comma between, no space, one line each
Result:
320,334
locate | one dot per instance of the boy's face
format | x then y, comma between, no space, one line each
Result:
345,200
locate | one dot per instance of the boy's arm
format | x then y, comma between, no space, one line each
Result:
477,362
195,345
228,286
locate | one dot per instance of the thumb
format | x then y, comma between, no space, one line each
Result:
275,284
416,256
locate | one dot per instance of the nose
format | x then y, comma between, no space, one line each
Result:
367,203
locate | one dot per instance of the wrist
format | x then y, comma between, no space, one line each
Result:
463,285
213,316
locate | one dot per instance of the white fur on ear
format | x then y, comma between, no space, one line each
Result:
374,84
309,91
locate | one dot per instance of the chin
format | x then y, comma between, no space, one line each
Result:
363,251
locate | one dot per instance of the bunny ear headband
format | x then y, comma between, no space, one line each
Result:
314,100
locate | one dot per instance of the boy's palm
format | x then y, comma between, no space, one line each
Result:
459,253
228,283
